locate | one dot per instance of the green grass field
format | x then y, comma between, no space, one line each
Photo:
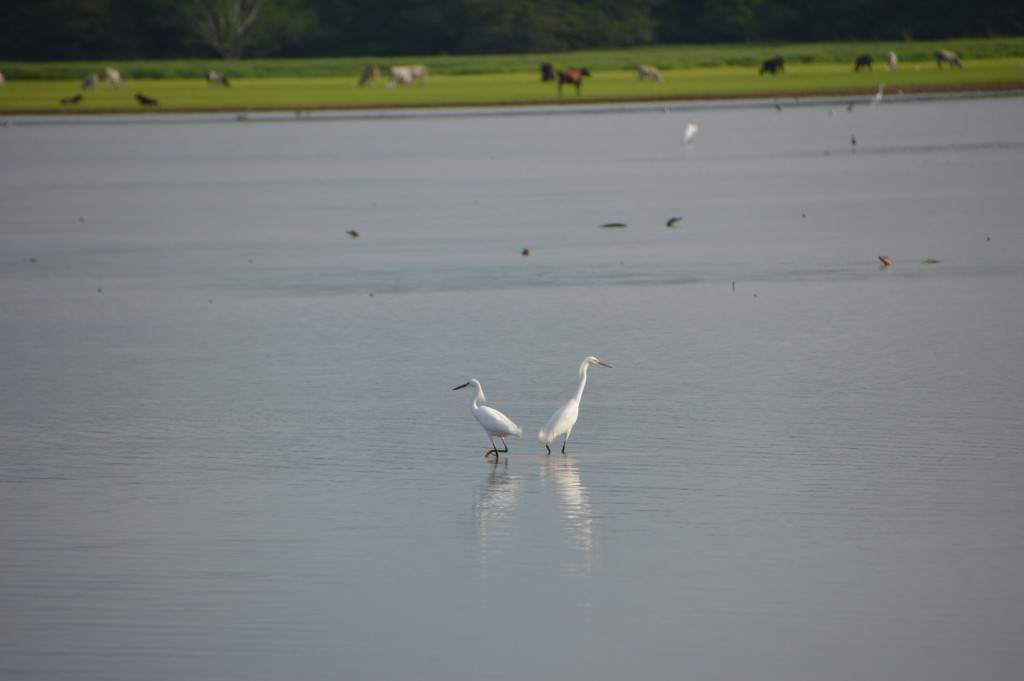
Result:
717,71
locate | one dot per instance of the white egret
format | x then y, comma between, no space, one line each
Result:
493,421
878,95
562,421
690,133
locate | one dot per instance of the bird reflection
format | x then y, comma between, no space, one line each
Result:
574,508
508,531
494,509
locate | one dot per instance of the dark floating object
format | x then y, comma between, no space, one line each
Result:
71,100
886,260
609,225
144,100
672,221
929,261
853,140
353,233
526,251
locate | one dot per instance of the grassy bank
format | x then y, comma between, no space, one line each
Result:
713,71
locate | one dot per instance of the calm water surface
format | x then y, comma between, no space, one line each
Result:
230,449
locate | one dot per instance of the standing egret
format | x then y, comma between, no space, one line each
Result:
493,421
562,421
878,95
690,133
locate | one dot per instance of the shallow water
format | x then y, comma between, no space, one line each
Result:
231,450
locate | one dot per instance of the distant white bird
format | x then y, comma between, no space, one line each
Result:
878,96
562,421
493,421
690,133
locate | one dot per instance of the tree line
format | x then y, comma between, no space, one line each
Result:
235,29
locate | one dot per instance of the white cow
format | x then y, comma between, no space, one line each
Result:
405,75
647,71
114,78
217,78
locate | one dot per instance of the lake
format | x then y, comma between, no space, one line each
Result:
231,450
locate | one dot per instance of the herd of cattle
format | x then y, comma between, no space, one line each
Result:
413,73
777,65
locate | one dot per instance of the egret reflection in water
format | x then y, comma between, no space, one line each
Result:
547,514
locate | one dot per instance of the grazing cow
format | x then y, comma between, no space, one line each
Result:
892,61
948,57
865,60
370,74
90,82
773,66
217,78
645,71
572,77
113,78
144,100
547,72
405,75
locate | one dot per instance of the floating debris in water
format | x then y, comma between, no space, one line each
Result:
929,261
886,260
353,233
672,221
609,225
526,251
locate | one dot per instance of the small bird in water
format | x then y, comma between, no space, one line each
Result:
853,140
353,233
672,221
144,100
690,133
526,251
886,260
608,225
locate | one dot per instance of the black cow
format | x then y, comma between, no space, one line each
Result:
547,72
773,66
865,60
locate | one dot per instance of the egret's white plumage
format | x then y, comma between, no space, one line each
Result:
690,133
878,96
491,420
562,421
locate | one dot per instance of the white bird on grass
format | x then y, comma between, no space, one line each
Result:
690,133
562,421
493,421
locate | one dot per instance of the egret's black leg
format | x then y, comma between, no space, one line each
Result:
504,451
494,451
564,443
549,450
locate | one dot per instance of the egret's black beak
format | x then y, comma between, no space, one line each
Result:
460,386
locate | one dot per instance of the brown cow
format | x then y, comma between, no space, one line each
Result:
572,77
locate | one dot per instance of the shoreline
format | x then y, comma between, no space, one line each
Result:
842,96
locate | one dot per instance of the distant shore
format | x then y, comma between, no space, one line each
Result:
164,88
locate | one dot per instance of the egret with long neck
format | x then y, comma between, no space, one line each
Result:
491,420
562,421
